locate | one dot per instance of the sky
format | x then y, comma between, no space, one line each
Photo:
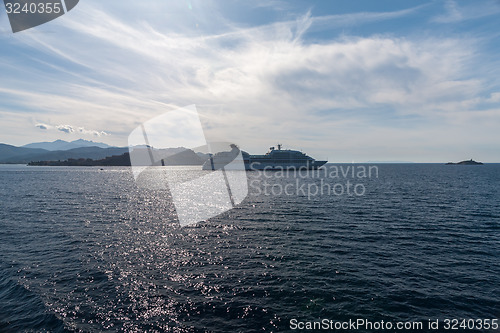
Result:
341,80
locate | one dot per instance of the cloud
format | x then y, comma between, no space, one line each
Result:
43,126
256,84
494,98
65,128
455,13
69,129
272,61
356,19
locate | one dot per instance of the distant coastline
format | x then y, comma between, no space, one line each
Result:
115,160
186,157
89,153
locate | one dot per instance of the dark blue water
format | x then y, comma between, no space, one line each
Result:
86,250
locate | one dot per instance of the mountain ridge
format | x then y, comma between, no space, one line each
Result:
21,155
66,145
10,154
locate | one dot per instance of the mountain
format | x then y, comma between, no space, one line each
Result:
170,156
20,155
65,145
185,157
203,156
56,145
8,151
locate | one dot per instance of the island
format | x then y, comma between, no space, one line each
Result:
468,162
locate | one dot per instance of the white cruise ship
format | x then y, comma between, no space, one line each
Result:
274,159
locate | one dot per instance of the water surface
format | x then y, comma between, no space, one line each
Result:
86,250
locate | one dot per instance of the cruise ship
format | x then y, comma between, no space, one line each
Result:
274,159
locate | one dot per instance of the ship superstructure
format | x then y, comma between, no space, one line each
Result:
274,159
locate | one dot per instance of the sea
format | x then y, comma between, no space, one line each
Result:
85,249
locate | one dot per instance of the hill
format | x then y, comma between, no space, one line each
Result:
185,157
21,155
11,152
468,162
65,145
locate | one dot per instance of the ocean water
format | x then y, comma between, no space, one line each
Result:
86,250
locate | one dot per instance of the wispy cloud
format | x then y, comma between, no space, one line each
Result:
353,19
455,12
258,84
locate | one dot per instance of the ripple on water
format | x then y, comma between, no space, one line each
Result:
84,250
